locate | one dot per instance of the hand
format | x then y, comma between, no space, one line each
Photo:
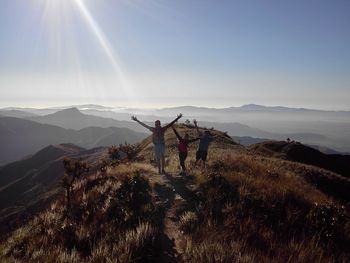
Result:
179,116
134,118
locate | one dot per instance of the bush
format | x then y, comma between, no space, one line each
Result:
73,170
114,153
132,201
188,222
327,220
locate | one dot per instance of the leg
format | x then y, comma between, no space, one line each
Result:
162,157
163,163
204,158
182,157
158,157
158,165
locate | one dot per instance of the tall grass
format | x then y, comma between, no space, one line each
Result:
112,219
268,214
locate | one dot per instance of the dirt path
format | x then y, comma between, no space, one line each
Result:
174,191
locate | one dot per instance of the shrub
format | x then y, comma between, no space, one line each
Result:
73,170
114,153
129,150
125,152
131,201
327,220
188,222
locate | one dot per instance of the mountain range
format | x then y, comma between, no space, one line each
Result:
22,137
329,129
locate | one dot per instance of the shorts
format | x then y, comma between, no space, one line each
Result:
159,150
201,155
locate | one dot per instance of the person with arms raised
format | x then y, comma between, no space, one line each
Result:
182,147
204,141
158,140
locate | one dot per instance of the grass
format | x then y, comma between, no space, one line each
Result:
270,214
112,219
250,208
242,207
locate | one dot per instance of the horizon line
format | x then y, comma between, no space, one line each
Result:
148,107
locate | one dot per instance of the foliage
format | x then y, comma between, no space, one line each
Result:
131,201
129,150
73,170
188,222
124,152
113,219
114,153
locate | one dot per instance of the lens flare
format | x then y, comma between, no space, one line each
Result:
57,30
107,48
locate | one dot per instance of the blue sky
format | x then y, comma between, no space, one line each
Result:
155,53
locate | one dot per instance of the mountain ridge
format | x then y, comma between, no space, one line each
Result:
21,137
233,208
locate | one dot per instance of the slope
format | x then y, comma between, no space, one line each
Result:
298,152
27,185
241,207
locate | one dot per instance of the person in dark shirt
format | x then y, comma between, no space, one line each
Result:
204,142
182,147
158,140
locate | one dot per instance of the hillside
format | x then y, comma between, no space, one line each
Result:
243,207
27,185
20,138
16,113
298,152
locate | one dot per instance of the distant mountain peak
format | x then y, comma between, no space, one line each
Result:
252,107
69,111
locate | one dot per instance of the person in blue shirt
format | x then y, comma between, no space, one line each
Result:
204,142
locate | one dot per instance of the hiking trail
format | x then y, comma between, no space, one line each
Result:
174,191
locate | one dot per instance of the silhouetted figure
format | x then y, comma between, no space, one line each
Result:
158,140
204,141
289,140
182,147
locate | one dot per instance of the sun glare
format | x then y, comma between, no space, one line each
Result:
107,48
58,16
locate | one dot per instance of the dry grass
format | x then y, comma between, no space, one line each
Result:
113,219
261,208
245,208
269,212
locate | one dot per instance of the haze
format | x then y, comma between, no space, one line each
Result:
169,53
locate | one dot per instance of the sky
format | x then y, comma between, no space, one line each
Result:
162,53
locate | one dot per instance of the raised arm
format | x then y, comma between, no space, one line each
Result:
195,124
213,137
193,140
141,123
173,122
177,135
